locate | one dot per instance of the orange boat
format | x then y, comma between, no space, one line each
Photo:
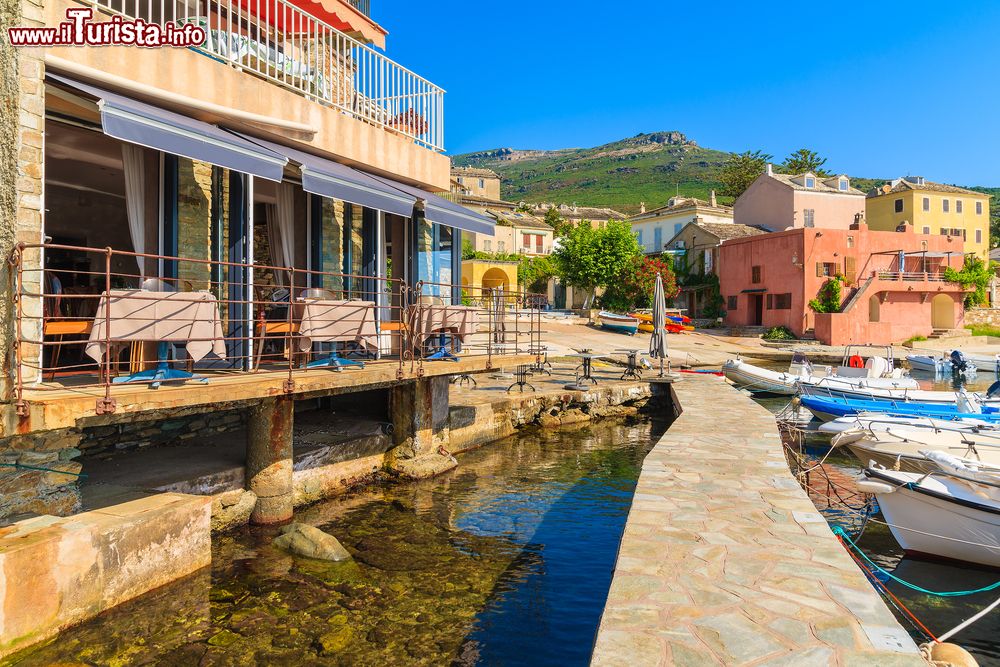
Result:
672,326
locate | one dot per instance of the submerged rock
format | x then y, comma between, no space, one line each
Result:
422,467
311,542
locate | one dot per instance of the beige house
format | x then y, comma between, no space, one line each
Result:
786,201
695,251
576,214
653,228
477,182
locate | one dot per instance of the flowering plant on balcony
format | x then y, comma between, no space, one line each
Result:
409,122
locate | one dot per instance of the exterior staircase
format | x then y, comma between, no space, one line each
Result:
949,333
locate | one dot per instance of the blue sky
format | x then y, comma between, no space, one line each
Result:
880,89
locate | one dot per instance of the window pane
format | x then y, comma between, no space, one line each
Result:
332,242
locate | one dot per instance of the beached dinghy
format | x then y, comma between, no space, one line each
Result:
620,323
953,513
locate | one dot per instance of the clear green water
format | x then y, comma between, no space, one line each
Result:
504,561
938,614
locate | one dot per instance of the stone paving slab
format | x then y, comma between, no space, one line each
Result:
725,560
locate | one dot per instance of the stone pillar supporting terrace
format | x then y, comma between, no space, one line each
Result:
420,428
269,460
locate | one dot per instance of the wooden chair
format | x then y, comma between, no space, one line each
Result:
273,328
56,324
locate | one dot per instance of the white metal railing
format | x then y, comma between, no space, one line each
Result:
278,41
909,275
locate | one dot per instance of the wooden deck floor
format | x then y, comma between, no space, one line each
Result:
53,405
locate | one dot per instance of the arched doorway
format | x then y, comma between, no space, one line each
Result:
495,278
942,312
874,305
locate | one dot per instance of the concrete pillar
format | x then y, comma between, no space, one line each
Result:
420,427
269,460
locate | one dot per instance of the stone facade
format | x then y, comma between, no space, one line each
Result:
982,316
22,102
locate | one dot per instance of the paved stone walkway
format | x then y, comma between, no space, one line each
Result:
724,560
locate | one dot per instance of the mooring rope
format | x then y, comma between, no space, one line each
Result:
842,534
27,467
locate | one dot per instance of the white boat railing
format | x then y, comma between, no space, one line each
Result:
279,42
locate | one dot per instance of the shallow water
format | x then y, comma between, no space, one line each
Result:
938,614
505,561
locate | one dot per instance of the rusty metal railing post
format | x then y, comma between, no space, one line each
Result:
420,340
17,259
289,386
107,404
491,327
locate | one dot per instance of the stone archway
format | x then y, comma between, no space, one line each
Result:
942,312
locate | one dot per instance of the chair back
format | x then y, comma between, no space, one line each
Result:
430,300
156,285
318,293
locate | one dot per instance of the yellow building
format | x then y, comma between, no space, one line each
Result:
489,274
932,208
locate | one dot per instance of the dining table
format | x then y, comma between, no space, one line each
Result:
164,318
429,319
336,321
584,374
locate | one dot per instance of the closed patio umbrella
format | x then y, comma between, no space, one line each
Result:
499,312
658,340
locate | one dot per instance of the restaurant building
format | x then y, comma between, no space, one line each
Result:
211,243
892,284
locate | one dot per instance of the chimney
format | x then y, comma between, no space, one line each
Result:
642,207
770,169
712,200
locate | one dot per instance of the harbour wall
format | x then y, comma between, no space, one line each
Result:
725,560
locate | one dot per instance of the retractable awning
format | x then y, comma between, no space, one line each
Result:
337,181
146,125
443,212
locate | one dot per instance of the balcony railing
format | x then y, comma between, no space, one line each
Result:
363,6
103,327
276,40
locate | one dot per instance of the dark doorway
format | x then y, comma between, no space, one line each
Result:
756,309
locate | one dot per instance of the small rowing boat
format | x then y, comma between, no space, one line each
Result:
620,323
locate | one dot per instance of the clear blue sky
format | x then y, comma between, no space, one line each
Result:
880,89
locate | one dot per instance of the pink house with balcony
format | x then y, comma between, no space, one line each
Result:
892,282
788,201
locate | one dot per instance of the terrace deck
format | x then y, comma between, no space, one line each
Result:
54,405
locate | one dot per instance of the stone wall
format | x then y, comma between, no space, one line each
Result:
982,316
40,473
22,102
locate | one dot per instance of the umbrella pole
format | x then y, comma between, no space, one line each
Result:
661,366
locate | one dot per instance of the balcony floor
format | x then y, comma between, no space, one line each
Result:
59,404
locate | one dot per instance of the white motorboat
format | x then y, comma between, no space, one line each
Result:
946,514
872,421
876,394
948,363
901,447
853,373
953,363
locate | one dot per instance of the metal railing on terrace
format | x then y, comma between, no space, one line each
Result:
108,326
282,43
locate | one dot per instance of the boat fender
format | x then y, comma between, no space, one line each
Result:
856,361
994,390
946,653
874,486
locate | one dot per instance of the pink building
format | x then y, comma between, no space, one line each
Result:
784,201
892,289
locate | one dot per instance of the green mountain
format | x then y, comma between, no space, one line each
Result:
648,168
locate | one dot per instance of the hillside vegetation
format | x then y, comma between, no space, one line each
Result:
648,168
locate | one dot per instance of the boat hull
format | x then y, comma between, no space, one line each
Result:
619,323
927,523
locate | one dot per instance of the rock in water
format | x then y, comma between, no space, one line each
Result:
311,542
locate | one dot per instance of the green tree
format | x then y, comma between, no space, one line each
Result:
634,287
556,221
804,160
828,298
975,274
740,170
590,258
533,273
